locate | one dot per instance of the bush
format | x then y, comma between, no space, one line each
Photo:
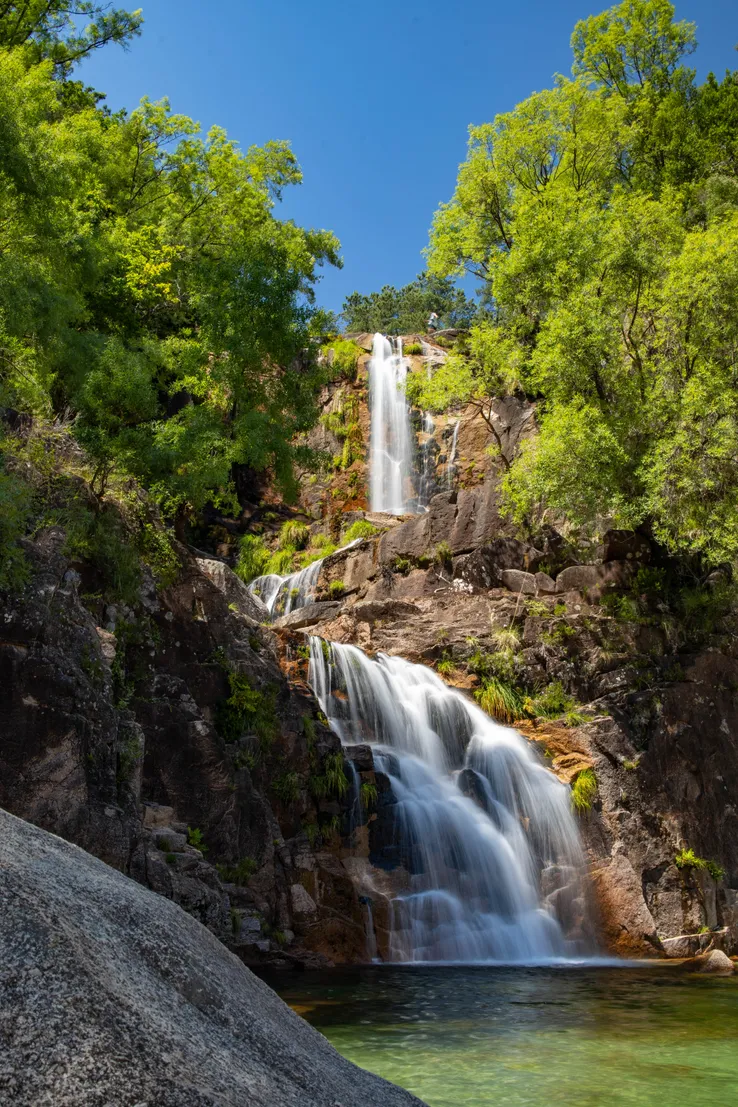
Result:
293,535
336,589
253,558
15,507
238,874
360,529
503,701
368,795
194,838
443,554
287,788
687,859
412,348
583,791
343,356
247,709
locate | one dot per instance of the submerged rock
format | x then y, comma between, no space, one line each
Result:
111,994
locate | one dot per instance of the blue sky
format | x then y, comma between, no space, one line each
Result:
375,97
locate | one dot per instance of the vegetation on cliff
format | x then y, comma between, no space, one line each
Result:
601,217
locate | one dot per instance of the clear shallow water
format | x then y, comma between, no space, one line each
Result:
526,1037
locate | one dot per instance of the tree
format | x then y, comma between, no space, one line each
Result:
406,310
147,287
602,217
50,29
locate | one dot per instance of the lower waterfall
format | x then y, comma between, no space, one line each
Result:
487,846
280,595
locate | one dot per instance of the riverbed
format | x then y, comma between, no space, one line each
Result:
525,1037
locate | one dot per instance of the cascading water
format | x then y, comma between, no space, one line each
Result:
488,849
284,594
427,483
390,463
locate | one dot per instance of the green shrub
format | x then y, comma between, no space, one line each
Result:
687,859
503,701
344,361
443,554
194,838
253,558
287,788
402,565
281,561
537,609
247,710
293,535
336,589
583,791
553,703
361,528
446,666
335,775
240,873
412,348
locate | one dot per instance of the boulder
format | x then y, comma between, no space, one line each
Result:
577,578
518,581
545,585
309,615
112,994
716,963
234,590
482,567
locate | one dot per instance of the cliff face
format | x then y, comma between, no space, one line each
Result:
164,739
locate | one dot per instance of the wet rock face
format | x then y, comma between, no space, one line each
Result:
162,1012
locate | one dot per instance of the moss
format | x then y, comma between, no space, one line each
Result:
583,791
687,859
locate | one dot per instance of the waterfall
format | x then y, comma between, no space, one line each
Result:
391,443
450,465
281,595
284,594
427,483
488,861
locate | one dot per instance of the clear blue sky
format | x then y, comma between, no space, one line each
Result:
374,96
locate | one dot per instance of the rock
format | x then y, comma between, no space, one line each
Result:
111,993
686,945
627,925
234,589
303,904
170,841
577,578
369,611
518,581
716,963
545,585
156,815
309,615
362,757
482,568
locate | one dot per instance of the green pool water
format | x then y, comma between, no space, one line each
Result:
584,1037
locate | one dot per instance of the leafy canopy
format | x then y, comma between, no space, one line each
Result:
406,310
146,285
602,217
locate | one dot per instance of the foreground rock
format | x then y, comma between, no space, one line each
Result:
110,994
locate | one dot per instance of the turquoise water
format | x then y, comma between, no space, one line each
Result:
526,1037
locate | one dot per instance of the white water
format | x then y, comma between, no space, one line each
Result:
497,877
426,484
390,465
281,595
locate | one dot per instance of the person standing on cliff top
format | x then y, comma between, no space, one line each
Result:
433,321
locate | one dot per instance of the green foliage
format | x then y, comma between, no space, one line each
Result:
15,509
146,286
442,554
406,310
537,609
553,703
287,788
238,874
195,839
583,791
446,666
412,348
336,589
501,700
601,217
343,358
335,775
293,535
247,710
361,528
687,859
368,795
253,557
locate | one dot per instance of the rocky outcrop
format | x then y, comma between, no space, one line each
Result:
110,994
165,739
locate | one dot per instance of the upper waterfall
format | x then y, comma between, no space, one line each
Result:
391,461
489,847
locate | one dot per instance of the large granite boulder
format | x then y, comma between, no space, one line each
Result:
110,994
